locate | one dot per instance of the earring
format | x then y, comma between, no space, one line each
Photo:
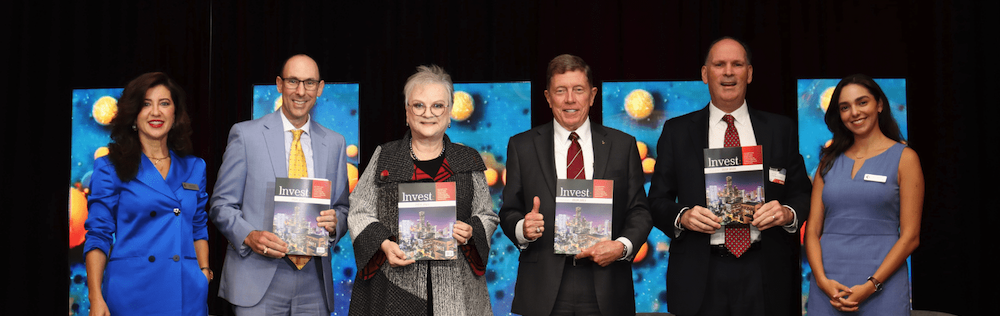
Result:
133,127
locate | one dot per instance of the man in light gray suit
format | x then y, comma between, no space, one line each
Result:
257,277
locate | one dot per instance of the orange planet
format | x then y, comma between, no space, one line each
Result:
639,104
491,176
77,216
647,165
352,151
100,152
463,106
824,98
643,150
352,177
104,110
504,177
828,143
641,254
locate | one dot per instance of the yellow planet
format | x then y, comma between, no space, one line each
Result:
828,143
77,216
643,150
352,151
648,165
504,177
352,177
100,152
639,104
277,104
491,176
105,109
824,99
463,107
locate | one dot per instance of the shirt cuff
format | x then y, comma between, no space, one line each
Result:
628,248
792,227
522,242
677,222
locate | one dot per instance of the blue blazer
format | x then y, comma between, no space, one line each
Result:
243,200
147,227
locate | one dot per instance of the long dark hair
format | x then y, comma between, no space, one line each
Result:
843,138
125,150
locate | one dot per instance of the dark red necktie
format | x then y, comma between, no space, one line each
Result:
737,235
574,159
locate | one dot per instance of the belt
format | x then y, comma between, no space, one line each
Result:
722,251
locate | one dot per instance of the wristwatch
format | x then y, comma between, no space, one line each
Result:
624,251
878,285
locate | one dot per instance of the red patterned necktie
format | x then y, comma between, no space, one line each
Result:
574,159
737,235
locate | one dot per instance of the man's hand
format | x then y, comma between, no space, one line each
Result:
328,219
395,256
604,252
534,222
700,219
770,215
266,244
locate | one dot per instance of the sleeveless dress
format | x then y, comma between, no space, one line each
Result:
861,225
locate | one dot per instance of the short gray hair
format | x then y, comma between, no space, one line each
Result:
429,75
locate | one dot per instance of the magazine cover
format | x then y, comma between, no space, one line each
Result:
426,220
583,214
297,203
734,182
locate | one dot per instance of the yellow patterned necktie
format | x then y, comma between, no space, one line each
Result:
297,169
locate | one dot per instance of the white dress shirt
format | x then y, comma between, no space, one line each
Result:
304,140
561,142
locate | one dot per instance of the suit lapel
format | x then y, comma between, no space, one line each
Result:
602,150
546,159
317,138
274,140
699,134
149,176
763,133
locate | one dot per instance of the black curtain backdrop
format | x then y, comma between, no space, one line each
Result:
217,49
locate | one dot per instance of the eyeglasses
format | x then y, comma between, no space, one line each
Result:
437,109
293,83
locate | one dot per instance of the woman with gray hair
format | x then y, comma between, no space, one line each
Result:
389,283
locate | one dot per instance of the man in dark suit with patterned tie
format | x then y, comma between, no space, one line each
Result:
598,281
714,270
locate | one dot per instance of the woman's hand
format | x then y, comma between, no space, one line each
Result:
835,291
98,307
394,255
462,233
859,293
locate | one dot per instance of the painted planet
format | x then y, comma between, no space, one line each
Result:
639,104
824,99
100,152
352,177
647,165
104,110
352,151
491,176
641,254
643,150
463,107
77,216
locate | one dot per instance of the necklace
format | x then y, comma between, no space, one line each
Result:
414,156
156,161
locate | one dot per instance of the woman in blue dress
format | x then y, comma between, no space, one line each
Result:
867,201
147,241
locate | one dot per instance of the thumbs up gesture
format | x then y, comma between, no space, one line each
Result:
534,222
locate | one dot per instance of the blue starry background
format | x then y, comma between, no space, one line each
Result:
670,99
336,109
813,134
88,136
502,110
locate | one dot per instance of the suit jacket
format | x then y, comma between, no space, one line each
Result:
243,200
531,172
152,267
679,181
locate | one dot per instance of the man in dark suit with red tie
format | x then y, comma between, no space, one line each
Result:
598,281
737,270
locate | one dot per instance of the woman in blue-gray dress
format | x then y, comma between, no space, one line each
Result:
866,205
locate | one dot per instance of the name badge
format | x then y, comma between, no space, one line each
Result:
776,175
189,186
875,178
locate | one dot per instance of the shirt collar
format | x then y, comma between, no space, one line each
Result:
286,125
562,134
741,115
